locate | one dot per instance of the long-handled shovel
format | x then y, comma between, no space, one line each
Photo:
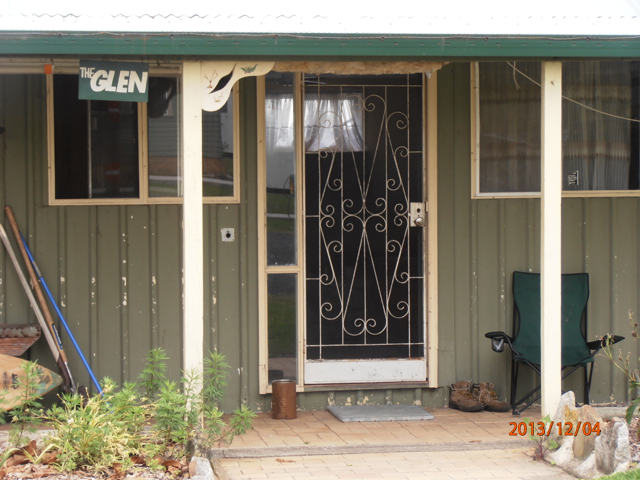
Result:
60,316
53,344
31,264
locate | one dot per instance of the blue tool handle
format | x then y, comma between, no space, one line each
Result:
64,322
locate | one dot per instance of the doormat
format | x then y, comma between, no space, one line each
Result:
379,413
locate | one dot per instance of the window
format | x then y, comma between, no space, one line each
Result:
280,200
600,140
99,151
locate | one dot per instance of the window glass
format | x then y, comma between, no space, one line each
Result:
509,128
163,120
600,151
601,146
281,169
282,326
165,167
96,145
217,151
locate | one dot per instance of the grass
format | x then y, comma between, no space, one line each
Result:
630,475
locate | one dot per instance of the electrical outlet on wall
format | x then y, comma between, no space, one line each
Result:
228,234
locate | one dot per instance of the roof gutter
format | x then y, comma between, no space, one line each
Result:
318,46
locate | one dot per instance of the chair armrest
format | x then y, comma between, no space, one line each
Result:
604,341
493,335
497,340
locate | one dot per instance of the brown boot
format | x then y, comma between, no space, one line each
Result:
462,399
485,395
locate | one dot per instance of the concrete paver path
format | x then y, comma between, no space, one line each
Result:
470,465
317,446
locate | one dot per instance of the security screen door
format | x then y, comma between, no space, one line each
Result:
364,221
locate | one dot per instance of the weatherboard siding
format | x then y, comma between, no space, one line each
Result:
116,270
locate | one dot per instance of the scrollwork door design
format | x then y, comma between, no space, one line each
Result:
364,262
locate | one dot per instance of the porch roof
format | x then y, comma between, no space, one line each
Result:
411,28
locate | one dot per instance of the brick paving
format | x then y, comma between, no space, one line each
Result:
451,446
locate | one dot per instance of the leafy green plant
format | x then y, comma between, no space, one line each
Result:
27,415
99,432
212,428
171,415
107,430
153,374
192,416
542,442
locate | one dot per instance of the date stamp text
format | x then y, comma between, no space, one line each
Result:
540,428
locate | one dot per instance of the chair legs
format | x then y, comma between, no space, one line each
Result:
514,383
587,384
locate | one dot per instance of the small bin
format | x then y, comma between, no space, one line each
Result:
283,399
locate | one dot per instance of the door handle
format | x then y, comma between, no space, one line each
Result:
417,213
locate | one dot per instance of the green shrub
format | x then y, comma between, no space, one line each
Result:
110,428
99,432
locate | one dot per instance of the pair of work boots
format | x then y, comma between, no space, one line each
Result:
474,397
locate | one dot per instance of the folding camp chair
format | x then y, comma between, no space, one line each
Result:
525,343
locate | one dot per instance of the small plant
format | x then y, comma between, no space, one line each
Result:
212,427
100,432
171,415
543,443
153,374
193,415
26,416
624,365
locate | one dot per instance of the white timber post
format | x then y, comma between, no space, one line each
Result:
551,236
192,227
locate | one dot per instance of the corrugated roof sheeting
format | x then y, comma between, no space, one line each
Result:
333,17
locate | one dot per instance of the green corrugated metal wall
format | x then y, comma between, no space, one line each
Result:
117,270
481,243
114,269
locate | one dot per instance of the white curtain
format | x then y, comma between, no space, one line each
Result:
509,128
596,147
333,122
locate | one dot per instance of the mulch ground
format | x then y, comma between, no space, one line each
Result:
19,466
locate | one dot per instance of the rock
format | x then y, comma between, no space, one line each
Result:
612,447
583,444
588,468
608,413
566,412
200,469
563,456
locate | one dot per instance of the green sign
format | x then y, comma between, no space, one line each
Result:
116,81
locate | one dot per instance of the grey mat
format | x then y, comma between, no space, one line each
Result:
379,413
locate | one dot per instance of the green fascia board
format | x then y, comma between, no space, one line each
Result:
289,46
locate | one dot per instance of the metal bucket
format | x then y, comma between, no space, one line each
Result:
283,399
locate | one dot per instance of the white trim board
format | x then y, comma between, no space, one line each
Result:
364,371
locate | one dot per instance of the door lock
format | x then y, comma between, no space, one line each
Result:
417,214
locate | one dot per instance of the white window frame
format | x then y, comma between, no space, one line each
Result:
475,159
143,153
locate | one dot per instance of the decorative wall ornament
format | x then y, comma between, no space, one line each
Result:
219,77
